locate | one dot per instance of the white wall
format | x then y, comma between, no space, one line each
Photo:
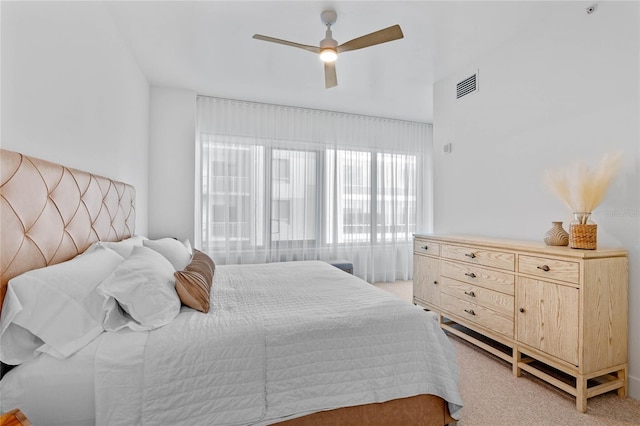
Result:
172,154
73,94
565,89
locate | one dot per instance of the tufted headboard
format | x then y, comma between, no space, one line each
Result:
50,213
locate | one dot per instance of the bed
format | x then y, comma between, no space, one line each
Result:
293,343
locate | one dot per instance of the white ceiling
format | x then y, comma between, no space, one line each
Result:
207,46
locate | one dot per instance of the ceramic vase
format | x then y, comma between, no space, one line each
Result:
556,236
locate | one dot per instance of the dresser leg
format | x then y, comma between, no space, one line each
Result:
622,375
517,357
581,393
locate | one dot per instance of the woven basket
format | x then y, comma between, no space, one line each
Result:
583,236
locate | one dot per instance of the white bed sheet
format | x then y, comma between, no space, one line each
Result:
52,391
281,340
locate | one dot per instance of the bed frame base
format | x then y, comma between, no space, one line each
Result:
423,410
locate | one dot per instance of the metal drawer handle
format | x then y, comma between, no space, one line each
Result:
435,282
470,293
471,255
425,247
472,275
470,311
521,309
544,268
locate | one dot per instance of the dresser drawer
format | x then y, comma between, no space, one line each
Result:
478,314
426,247
494,300
492,258
561,270
476,275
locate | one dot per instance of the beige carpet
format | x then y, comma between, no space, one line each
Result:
493,396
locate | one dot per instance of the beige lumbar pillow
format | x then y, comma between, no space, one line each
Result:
193,284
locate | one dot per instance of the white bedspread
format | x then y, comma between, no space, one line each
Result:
281,340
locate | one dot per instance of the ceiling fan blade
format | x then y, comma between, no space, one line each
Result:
330,78
313,49
382,36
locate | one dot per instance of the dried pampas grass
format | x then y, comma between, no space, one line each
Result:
581,188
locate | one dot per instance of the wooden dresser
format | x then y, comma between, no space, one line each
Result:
557,313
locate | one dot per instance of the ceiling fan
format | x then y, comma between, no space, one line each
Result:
329,48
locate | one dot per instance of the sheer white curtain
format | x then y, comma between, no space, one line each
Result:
283,183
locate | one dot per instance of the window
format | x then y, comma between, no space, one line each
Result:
293,195
238,188
396,196
228,195
356,178
360,185
348,213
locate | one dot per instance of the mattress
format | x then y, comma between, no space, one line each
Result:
280,341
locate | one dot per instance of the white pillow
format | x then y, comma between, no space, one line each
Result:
187,244
123,247
144,287
55,309
173,250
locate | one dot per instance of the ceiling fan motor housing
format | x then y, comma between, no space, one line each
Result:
329,17
328,42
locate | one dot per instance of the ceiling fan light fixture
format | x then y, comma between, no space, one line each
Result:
328,55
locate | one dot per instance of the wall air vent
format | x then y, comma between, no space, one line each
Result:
467,86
